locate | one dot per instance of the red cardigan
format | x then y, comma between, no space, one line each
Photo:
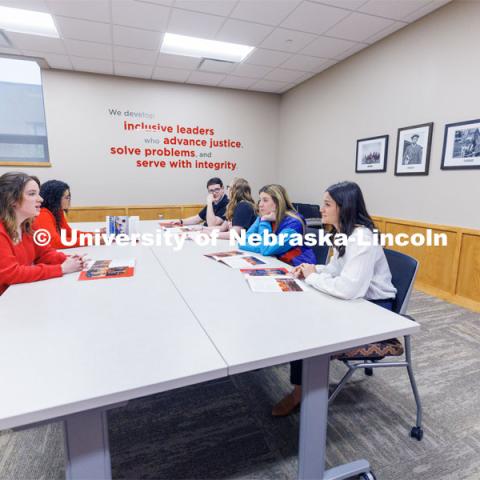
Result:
26,261
46,221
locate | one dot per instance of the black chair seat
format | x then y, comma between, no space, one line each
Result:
373,351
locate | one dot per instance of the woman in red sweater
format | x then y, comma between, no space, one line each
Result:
21,259
56,201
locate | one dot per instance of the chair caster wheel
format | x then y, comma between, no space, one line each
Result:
369,372
417,433
368,476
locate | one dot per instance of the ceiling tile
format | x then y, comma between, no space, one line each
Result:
236,31
132,70
89,49
139,14
92,65
203,78
170,74
134,55
425,10
194,24
84,30
136,38
268,86
347,53
237,82
216,66
395,10
283,75
251,71
348,4
54,60
287,40
268,58
269,12
36,5
37,43
84,9
167,3
214,7
314,18
304,63
326,47
287,87
358,27
177,61
385,32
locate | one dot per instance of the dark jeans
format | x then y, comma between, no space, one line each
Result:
296,366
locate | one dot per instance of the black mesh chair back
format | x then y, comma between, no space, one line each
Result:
320,251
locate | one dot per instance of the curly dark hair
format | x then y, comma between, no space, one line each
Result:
52,192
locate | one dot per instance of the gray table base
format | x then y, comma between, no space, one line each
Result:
313,426
88,454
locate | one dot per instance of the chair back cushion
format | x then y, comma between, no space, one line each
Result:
403,269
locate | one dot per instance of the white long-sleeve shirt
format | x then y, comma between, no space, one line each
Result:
362,272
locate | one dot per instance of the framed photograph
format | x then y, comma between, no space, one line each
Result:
372,154
413,149
461,145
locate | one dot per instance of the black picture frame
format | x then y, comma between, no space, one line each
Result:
363,145
410,164
452,139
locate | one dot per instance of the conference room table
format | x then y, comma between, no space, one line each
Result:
71,350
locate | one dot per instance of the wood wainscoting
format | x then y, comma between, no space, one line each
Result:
450,272
145,212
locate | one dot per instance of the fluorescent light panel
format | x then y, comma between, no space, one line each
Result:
27,21
203,48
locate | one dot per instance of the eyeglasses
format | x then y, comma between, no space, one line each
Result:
214,190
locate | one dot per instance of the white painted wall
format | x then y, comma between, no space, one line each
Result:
81,131
426,72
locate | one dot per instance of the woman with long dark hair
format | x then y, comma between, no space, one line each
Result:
21,258
56,202
277,216
358,267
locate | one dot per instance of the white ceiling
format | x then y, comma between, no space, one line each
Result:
294,39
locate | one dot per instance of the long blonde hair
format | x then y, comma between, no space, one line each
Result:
282,202
12,186
239,192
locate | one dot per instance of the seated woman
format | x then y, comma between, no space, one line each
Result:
21,259
278,216
241,209
357,270
56,201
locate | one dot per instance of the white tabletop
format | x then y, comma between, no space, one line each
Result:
69,345
254,330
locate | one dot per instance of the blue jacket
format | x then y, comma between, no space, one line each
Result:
290,227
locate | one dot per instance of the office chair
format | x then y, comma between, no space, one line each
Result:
368,357
320,251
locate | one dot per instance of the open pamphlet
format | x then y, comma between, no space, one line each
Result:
98,269
122,224
278,284
236,259
264,272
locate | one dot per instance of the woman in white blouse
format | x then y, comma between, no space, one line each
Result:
358,267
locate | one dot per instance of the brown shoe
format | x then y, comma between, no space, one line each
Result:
286,405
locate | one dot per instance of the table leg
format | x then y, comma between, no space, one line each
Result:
86,445
313,426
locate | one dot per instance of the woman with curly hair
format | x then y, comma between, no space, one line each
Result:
56,202
21,259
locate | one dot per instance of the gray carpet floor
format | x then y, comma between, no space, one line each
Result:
223,429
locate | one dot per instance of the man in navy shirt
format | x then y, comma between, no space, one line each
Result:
213,214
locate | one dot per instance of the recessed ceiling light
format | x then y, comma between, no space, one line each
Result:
203,48
27,21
